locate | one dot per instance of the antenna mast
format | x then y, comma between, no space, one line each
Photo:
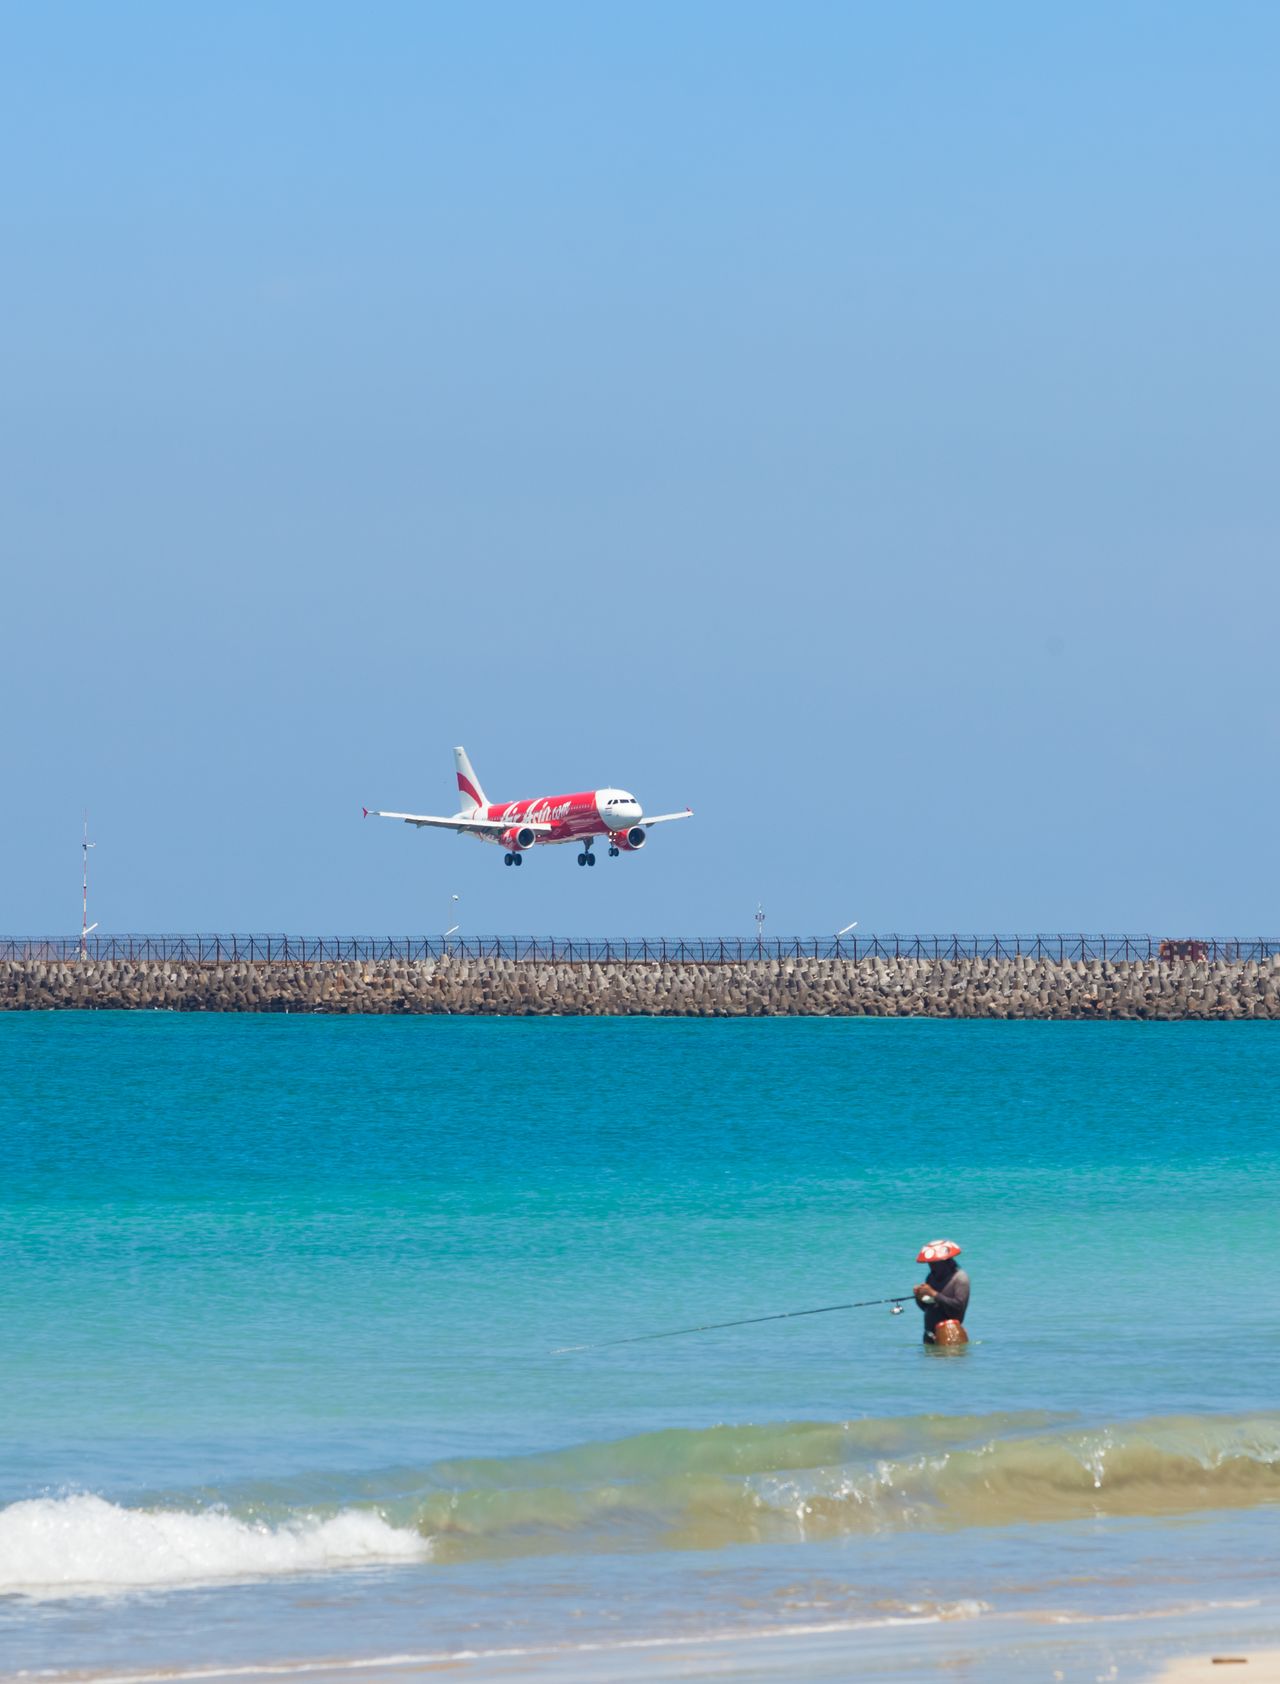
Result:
85,925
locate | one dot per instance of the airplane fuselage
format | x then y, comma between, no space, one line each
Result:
521,825
571,818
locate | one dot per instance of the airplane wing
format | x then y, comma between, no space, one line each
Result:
666,818
487,826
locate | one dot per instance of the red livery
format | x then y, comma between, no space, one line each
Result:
521,825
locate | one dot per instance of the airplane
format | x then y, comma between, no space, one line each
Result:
546,820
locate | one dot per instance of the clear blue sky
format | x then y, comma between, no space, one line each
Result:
856,421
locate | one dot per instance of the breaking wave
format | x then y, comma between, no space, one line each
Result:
696,1489
52,1545
734,1485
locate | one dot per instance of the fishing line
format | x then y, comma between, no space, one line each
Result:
745,1321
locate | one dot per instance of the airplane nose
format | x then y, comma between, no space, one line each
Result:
619,811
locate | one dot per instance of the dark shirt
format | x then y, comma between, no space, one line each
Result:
950,1287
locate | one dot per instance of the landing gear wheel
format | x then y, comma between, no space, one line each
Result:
591,859
506,859
582,859
517,859
614,853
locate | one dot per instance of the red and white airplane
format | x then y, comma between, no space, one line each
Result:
520,825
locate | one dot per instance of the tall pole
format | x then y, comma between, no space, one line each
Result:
85,925
451,929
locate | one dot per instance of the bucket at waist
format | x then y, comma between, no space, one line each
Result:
947,1333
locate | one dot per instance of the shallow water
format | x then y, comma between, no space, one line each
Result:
283,1297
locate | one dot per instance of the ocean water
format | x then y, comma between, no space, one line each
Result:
285,1301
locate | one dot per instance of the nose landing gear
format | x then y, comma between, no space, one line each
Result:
614,853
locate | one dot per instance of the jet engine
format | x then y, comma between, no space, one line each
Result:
627,841
518,838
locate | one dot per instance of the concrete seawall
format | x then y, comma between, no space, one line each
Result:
878,987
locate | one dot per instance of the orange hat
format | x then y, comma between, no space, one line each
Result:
938,1251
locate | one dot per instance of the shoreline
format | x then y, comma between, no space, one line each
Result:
1004,988
907,1651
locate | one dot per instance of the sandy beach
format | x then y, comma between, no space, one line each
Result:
1259,1666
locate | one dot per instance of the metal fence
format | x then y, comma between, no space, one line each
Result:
703,950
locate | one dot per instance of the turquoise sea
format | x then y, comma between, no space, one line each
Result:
283,1302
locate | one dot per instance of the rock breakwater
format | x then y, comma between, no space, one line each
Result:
873,987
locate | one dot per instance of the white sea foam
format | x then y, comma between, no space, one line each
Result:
53,1546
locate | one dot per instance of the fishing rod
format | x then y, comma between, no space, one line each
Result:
744,1321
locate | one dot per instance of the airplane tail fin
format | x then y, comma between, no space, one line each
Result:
468,784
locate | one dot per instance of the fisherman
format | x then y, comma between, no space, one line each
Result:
944,1295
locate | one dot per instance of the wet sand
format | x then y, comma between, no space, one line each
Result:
1124,1650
